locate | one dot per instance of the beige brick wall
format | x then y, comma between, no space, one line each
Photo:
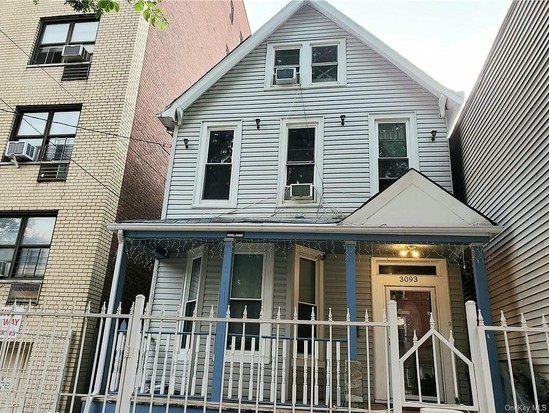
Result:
80,246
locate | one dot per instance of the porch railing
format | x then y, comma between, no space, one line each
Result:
49,362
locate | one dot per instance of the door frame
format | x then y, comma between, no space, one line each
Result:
441,304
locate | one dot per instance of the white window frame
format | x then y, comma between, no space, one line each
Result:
267,251
305,63
374,119
195,253
207,127
290,123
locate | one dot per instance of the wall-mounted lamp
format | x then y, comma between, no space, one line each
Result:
342,117
186,142
433,135
409,251
257,122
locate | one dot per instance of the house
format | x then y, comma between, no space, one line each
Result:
80,145
308,217
500,148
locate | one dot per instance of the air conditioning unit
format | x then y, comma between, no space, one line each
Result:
75,53
21,150
301,191
286,76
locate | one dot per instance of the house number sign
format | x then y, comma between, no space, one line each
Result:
408,279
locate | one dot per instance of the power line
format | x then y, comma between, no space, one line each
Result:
77,99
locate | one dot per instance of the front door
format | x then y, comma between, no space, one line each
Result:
420,290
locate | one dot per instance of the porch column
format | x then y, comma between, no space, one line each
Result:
483,304
350,271
115,296
221,328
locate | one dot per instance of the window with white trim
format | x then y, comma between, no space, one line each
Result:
301,161
192,288
308,292
393,148
251,291
306,64
218,165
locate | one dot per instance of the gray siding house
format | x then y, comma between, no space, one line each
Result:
500,147
310,184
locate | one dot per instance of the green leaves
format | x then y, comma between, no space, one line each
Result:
149,9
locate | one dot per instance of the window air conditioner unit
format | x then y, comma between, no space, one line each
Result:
21,150
75,53
301,191
286,76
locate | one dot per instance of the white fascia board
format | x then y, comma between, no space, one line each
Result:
167,117
388,53
480,230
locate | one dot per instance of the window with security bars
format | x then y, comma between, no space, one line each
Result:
393,157
25,245
52,133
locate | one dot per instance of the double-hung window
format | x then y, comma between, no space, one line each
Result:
54,35
393,148
52,133
219,165
301,161
251,291
307,64
25,245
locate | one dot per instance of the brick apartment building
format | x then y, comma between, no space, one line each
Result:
91,150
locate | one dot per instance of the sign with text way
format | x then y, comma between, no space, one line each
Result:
10,321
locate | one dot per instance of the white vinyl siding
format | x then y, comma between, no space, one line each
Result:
373,85
502,154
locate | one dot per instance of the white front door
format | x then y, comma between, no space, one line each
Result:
420,289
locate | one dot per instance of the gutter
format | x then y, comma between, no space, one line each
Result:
475,230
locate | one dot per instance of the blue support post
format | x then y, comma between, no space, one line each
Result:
350,271
483,304
221,328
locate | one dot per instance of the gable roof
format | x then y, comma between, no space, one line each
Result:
446,96
414,201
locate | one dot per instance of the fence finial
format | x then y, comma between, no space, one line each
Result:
523,320
245,312
503,320
330,314
295,313
348,315
480,318
431,321
366,315
278,315
312,314
228,313
212,311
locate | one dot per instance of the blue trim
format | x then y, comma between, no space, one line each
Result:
350,271
313,236
483,304
221,328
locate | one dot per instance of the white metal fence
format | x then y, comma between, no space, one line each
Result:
63,361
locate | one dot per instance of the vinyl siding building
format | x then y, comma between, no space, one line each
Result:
309,181
500,149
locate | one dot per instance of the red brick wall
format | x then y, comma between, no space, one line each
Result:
175,58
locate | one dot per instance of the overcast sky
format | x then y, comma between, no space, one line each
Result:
448,39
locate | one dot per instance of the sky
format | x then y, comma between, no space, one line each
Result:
448,39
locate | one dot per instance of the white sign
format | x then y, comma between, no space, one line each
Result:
10,323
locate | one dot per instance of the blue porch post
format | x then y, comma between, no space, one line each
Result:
350,277
221,328
483,304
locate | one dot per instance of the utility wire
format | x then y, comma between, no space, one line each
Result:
77,99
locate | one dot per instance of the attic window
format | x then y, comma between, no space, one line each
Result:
307,64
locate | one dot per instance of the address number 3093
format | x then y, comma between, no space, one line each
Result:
408,279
